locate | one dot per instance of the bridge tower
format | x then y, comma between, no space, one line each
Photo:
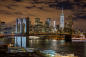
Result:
22,27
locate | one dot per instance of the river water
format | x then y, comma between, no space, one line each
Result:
77,48
60,46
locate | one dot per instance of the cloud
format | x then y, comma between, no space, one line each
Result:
64,4
18,0
76,0
29,7
5,12
18,13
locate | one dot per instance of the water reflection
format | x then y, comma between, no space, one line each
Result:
78,48
85,49
20,41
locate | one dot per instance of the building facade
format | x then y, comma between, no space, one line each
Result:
54,26
62,20
47,25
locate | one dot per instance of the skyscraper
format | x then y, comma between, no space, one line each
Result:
54,26
48,25
48,22
38,25
62,20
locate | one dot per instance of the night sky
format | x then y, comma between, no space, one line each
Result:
12,9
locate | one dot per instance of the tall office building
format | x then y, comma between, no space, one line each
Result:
48,25
37,20
48,22
38,25
62,20
54,26
3,27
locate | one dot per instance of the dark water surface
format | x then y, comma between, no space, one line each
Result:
60,46
78,48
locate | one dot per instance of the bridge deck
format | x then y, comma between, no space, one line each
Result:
34,34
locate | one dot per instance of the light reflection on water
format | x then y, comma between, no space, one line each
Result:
20,41
78,48
45,43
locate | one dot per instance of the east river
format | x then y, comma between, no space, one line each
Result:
77,48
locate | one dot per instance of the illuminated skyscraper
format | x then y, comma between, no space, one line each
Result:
54,26
48,22
62,20
48,25
38,25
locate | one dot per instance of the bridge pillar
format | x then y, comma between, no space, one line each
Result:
22,27
68,38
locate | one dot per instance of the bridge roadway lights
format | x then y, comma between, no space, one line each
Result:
68,38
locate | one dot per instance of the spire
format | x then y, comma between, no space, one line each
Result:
62,8
62,11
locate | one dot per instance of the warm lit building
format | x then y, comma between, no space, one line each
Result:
38,27
54,26
48,25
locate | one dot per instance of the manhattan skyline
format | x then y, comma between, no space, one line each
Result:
11,9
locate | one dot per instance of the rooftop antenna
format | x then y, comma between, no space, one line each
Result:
62,10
